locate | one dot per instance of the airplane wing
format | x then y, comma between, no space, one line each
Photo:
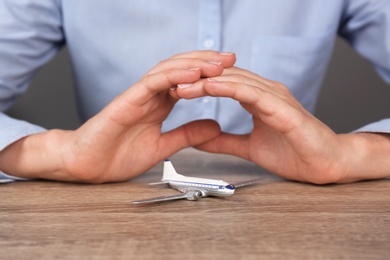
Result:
189,195
246,183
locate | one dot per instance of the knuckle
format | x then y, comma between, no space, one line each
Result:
280,86
147,82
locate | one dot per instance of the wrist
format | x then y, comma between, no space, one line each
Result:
33,156
366,156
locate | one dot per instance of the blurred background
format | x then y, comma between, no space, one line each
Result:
353,94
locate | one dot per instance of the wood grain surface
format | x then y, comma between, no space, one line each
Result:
275,219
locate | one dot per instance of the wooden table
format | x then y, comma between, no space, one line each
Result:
275,219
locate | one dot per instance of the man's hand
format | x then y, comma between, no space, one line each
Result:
288,140
124,139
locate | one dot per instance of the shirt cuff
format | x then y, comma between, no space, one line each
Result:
11,131
382,126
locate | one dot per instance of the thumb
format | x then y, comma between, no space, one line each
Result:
191,134
237,145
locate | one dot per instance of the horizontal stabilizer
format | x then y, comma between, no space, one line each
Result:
188,195
166,198
159,183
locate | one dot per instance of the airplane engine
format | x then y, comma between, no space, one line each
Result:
194,194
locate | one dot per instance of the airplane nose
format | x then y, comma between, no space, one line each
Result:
230,187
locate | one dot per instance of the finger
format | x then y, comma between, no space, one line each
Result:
209,68
237,145
278,109
245,90
190,59
227,58
200,88
191,90
231,75
150,85
274,105
149,94
243,76
191,134
172,92
235,71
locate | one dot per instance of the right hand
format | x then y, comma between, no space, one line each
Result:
123,140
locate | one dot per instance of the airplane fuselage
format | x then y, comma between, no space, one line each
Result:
208,187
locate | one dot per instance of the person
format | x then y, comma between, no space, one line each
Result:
242,79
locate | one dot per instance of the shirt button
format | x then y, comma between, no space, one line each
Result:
209,43
205,101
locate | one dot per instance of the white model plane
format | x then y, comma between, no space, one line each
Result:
193,188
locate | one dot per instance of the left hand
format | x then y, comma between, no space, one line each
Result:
288,140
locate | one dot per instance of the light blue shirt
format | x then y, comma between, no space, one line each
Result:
113,43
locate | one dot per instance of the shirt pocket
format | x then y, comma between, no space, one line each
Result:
298,62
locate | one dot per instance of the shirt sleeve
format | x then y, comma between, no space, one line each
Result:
30,35
366,27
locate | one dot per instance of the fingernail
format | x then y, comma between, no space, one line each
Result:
215,62
172,88
226,53
194,69
212,80
182,86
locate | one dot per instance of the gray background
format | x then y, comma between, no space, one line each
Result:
353,94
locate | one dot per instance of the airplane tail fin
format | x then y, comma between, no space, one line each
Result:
169,171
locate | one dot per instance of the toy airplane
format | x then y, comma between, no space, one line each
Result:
193,188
